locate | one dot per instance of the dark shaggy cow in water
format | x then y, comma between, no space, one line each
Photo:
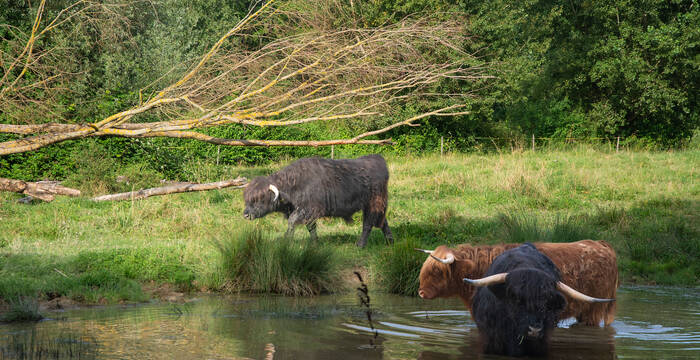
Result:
587,265
312,188
519,301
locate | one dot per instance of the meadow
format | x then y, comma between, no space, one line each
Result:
646,204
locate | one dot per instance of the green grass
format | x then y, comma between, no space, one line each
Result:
254,261
646,204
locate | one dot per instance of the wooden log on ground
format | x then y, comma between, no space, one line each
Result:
44,190
172,189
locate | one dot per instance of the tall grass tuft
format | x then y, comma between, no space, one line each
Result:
397,267
522,228
252,260
22,309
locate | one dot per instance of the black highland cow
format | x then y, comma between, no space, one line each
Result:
518,302
312,188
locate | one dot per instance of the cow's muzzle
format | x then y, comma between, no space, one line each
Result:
534,331
425,294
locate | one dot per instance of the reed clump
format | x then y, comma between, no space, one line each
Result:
21,309
253,260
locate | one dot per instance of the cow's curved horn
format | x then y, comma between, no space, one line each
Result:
448,260
425,251
489,280
579,296
274,189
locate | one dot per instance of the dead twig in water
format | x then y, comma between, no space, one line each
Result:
363,295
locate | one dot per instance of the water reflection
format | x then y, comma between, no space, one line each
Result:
652,322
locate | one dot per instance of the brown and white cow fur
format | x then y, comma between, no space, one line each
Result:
587,266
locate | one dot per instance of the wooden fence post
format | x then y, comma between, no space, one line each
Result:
533,142
442,142
617,148
332,151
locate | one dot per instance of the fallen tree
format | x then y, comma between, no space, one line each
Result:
172,189
43,190
323,72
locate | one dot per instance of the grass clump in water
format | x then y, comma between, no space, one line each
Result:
255,261
21,310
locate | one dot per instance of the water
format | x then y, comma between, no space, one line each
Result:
652,323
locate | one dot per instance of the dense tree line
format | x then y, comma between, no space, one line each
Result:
560,69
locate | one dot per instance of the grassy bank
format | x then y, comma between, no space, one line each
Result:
646,204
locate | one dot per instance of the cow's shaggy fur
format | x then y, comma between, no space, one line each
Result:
516,318
312,188
587,266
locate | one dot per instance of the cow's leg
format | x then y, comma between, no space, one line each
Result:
312,230
291,223
387,232
366,228
290,231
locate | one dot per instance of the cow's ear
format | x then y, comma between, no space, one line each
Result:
284,198
557,303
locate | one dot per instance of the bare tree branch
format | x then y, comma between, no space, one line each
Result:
172,189
317,73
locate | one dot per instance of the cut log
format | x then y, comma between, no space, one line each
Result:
44,190
171,189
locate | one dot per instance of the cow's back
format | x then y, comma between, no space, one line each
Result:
591,268
339,188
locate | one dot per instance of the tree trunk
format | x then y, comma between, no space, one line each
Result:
171,189
44,190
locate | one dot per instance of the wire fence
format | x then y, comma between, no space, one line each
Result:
468,144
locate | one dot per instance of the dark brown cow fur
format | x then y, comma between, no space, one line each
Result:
587,266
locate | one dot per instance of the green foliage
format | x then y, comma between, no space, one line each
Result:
614,68
563,69
256,262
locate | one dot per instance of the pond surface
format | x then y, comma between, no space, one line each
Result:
652,323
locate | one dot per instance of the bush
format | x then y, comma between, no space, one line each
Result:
252,260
